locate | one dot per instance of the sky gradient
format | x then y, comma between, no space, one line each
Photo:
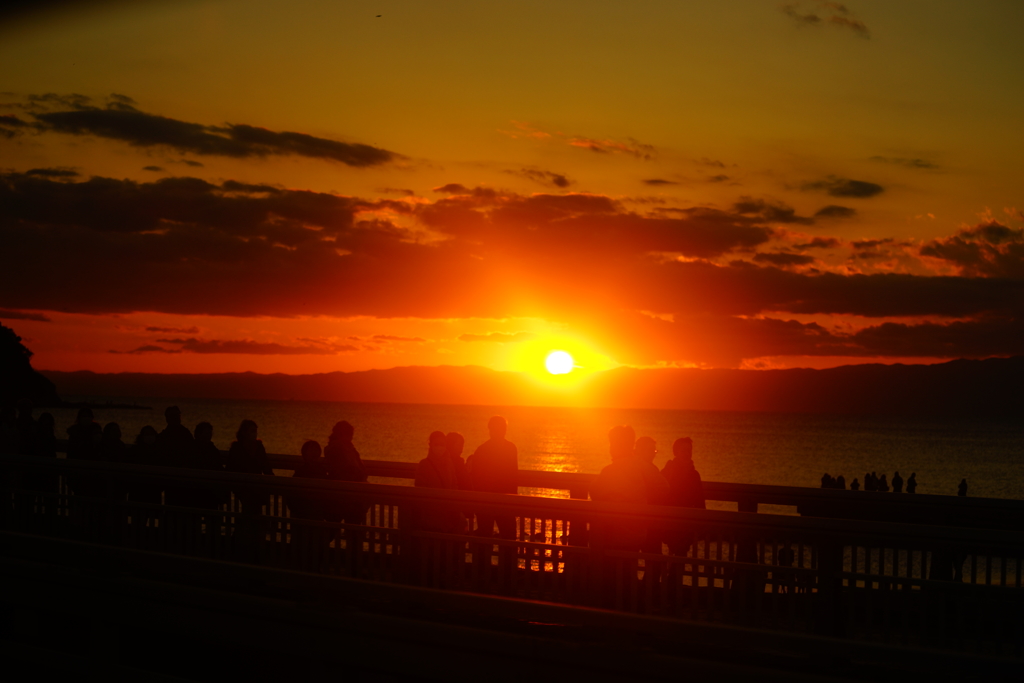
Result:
303,187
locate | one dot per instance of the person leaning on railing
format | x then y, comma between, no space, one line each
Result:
685,490
436,471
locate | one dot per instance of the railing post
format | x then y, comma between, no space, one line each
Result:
829,614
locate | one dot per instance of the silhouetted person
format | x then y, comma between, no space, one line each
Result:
437,471
841,482
26,426
83,438
961,490
342,458
454,444
176,442
826,481
8,430
870,482
656,489
855,484
43,444
912,483
145,452
621,482
312,465
883,484
247,454
494,467
897,482
685,489
207,455
112,448
44,438
344,464
309,505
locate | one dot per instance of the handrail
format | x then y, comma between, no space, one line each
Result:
917,508
535,506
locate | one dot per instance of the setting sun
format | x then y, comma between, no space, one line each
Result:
559,363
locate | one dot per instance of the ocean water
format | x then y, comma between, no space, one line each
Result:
755,448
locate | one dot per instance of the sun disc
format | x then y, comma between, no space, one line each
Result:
559,363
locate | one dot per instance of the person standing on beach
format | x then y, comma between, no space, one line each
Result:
494,467
897,482
961,490
912,483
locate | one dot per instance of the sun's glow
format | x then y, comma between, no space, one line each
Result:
559,363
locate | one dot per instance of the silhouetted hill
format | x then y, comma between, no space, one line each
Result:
975,387
17,378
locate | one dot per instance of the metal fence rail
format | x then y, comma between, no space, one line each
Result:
923,585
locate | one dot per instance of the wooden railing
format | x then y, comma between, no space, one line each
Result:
921,585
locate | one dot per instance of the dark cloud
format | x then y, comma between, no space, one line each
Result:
658,181
783,259
11,126
835,211
989,249
120,120
774,212
391,337
188,246
844,187
819,243
246,346
542,177
23,315
718,178
174,330
630,147
148,348
54,173
902,161
499,337
825,12
152,168
193,163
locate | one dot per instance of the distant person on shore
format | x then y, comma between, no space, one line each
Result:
176,443
344,464
84,437
494,467
621,482
883,484
247,454
855,484
897,482
961,490
841,482
870,482
437,471
826,481
912,483
454,445
685,489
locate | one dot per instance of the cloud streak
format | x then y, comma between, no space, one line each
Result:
120,120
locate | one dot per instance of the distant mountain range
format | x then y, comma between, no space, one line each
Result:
976,387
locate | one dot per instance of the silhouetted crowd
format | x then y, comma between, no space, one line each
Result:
872,482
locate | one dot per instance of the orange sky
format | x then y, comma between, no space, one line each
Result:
306,186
